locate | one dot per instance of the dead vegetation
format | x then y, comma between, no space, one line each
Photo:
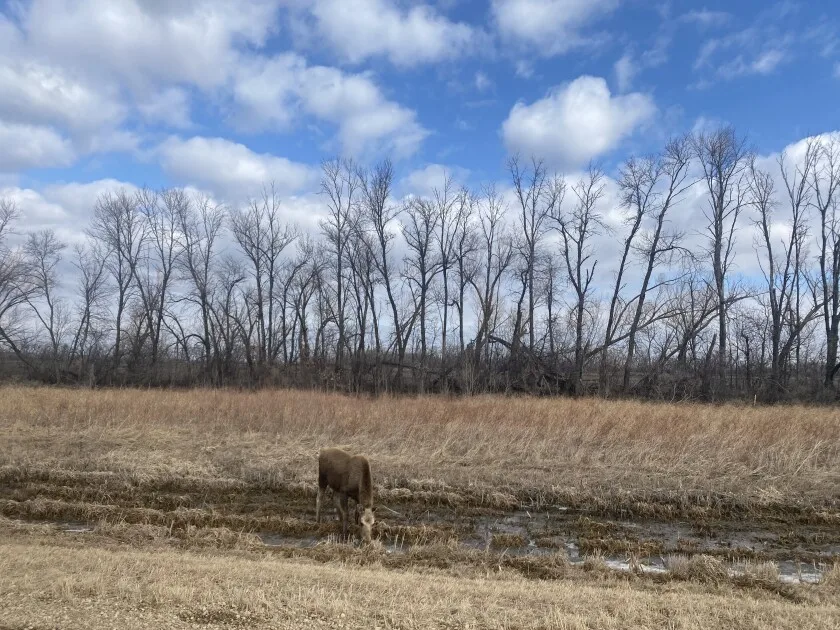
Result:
49,586
467,488
626,459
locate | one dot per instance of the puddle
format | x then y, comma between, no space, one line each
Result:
72,527
526,526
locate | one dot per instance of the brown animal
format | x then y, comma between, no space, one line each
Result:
349,478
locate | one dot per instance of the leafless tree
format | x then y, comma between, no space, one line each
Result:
263,236
639,185
200,222
723,157
825,186
422,263
465,246
781,266
495,253
16,284
90,262
538,195
119,225
451,207
43,251
341,185
378,213
577,228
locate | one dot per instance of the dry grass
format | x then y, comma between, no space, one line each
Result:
166,475
626,458
44,586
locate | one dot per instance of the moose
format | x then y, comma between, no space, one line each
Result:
349,478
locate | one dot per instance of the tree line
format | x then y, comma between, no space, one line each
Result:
548,285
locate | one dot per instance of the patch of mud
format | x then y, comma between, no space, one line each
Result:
787,571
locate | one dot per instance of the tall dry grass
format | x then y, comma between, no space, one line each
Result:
784,456
47,586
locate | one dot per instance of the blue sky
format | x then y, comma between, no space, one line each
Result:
224,96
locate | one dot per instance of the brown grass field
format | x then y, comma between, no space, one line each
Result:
129,508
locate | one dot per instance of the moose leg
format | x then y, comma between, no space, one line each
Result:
345,516
341,506
318,504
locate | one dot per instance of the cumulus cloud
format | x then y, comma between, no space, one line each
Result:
92,71
229,169
275,93
30,146
194,40
64,208
575,122
363,29
170,106
549,27
423,181
34,92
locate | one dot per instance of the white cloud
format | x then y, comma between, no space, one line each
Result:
230,169
482,82
33,92
758,49
30,146
170,106
64,208
149,41
550,27
837,70
275,93
625,71
705,18
524,69
575,122
765,63
77,199
361,29
424,180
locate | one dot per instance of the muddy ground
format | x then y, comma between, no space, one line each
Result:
279,517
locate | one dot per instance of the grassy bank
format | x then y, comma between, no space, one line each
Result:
623,457
43,586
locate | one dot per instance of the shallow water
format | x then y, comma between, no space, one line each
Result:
528,526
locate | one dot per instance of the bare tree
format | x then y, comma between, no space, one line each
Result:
825,185
465,245
495,254
119,226
200,223
577,229
341,185
723,158
422,264
782,267
263,236
44,253
538,196
670,170
91,264
162,211
378,214
16,285
451,207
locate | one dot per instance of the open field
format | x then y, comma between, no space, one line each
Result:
189,508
